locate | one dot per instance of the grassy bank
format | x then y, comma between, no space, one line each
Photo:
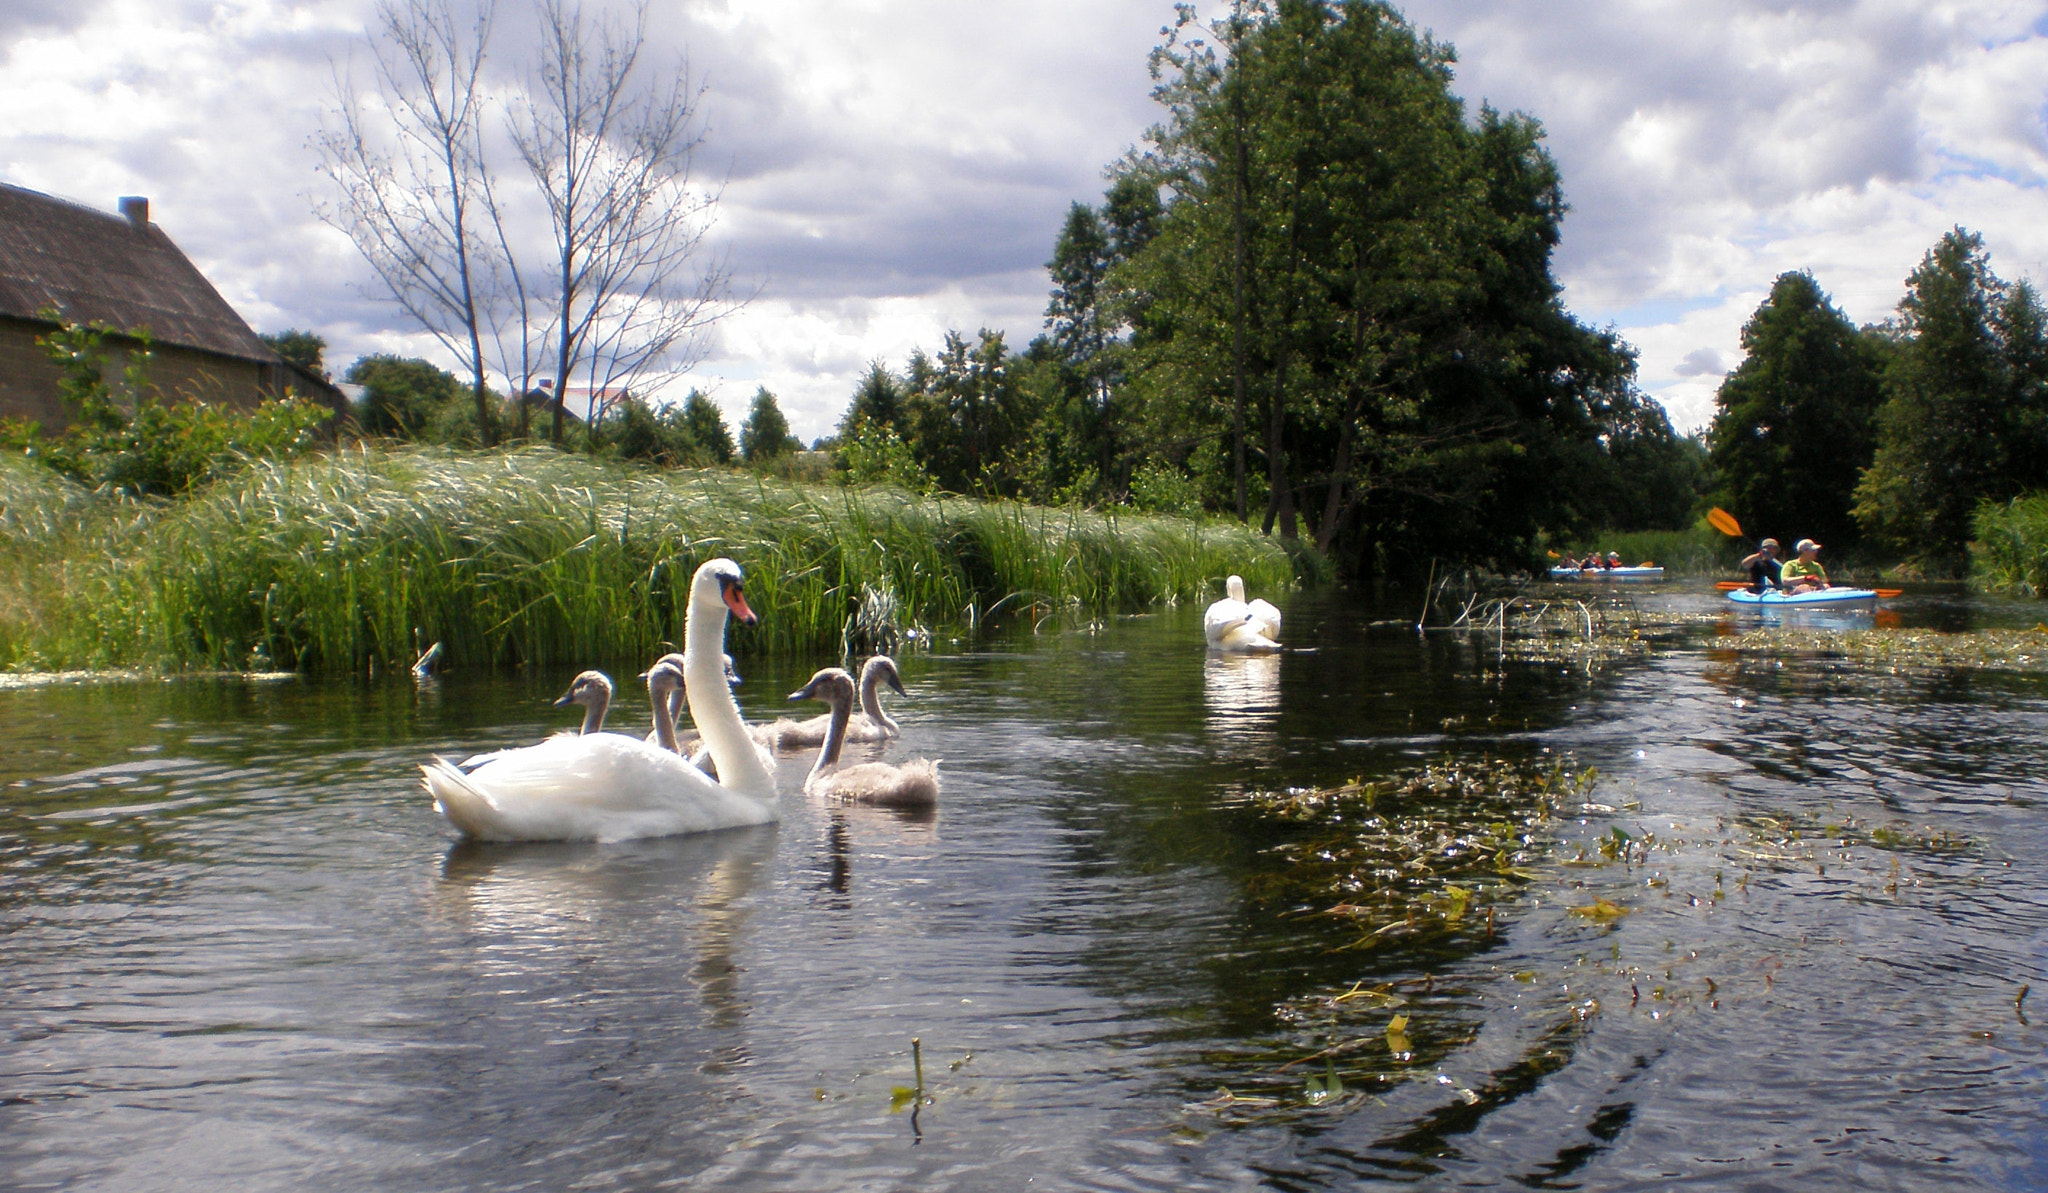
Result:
349,561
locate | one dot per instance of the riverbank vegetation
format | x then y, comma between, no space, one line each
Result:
356,559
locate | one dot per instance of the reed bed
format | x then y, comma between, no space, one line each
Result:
354,561
2011,554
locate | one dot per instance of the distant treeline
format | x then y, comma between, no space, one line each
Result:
1904,440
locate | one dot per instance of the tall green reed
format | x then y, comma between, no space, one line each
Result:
350,561
2011,550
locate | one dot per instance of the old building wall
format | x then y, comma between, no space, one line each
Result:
28,377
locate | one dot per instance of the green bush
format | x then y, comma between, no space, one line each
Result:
872,454
128,438
2011,552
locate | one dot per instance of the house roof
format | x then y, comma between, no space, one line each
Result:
98,267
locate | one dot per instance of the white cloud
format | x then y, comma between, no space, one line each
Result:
896,168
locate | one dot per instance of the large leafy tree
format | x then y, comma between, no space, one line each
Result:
707,429
764,435
1795,423
965,415
1352,283
1964,414
403,395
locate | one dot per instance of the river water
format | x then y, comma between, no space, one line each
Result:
238,948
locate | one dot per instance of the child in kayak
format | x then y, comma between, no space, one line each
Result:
1805,574
1764,568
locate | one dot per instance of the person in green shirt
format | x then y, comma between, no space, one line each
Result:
1805,574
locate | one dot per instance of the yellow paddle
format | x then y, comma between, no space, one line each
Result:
1724,522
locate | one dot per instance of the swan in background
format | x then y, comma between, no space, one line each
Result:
1264,614
591,689
612,787
869,724
913,784
1236,624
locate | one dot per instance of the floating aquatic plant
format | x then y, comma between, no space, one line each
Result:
2002,650
1412,855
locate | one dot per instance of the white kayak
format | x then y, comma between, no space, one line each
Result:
1641,573
1815,598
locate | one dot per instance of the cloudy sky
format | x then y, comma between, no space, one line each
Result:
895,168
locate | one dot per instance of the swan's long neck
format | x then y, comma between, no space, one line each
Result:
664,716
711,704
593,712
835,737
1234,588
871,701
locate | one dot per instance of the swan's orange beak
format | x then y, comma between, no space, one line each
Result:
736,600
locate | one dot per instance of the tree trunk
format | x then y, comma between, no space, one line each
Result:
1280,500
1240,196
1334,504
1280,493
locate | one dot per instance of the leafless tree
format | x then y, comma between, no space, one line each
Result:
407,160
611,159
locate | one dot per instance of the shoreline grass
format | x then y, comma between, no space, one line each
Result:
352,561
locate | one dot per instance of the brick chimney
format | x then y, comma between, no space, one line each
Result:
136,209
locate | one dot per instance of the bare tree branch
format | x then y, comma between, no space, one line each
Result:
612,161
407,160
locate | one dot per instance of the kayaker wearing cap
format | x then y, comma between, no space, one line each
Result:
1764,567
1612,561
1805,574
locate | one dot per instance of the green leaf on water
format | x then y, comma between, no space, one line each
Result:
1328,1086
1600,911
1398,1042
901,1096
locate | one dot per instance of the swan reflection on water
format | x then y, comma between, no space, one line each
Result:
524,902
897,826
1241,697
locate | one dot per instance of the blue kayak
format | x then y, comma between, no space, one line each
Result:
1646,573
1819,598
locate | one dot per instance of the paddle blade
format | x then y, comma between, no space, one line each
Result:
1729,585
1889,592
1724,522
1553,555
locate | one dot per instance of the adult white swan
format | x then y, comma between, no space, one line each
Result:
872,723
1236,624
611,787
913,784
